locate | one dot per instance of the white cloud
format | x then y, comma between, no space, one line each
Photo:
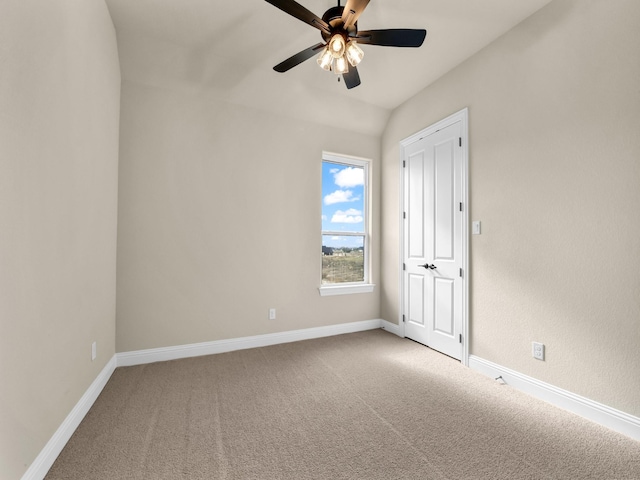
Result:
340,196
349,177
350,216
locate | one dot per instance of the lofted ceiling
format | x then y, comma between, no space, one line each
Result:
227,50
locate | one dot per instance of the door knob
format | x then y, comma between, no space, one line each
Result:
427,266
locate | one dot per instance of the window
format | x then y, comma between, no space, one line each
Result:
345,225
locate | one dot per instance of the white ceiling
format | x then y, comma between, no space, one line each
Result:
227,50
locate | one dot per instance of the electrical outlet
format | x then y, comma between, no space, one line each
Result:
538,350
94,351
272,314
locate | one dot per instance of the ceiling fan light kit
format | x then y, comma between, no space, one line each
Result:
339,29
338,54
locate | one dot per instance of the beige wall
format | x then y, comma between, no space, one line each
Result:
554,110
219,220
59,107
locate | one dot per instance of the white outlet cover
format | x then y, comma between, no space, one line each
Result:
475,227
94,351
537,350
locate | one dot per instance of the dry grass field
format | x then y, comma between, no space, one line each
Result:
343,267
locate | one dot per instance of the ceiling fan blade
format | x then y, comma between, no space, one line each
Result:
393,37
351,78
298,58
296,10
352,11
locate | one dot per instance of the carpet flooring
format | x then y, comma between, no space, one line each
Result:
366,405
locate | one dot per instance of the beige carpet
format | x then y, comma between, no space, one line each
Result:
360,406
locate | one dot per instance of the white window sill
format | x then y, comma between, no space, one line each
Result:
326,290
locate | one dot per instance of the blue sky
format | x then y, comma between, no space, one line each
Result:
342,203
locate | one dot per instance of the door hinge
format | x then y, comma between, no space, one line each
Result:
404,214
460,272
460,206
402,318
460,141
460,338
404,266
404,164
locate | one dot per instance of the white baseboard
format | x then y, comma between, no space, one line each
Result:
596,412
140,357
391,328
54,446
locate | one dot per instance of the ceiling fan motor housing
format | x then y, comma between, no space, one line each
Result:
333,17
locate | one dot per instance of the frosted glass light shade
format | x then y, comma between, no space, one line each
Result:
341,65
325,59
354,53
337,46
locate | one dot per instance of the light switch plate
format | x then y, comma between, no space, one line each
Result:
475,227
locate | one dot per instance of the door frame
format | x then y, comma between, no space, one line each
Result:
463,117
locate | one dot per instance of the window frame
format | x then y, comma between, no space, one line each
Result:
364,286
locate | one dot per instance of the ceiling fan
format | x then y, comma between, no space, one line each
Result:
339,51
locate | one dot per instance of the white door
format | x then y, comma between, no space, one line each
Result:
433,240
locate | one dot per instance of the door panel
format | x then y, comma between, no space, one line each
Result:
443,316
416,299
444,191
415,166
